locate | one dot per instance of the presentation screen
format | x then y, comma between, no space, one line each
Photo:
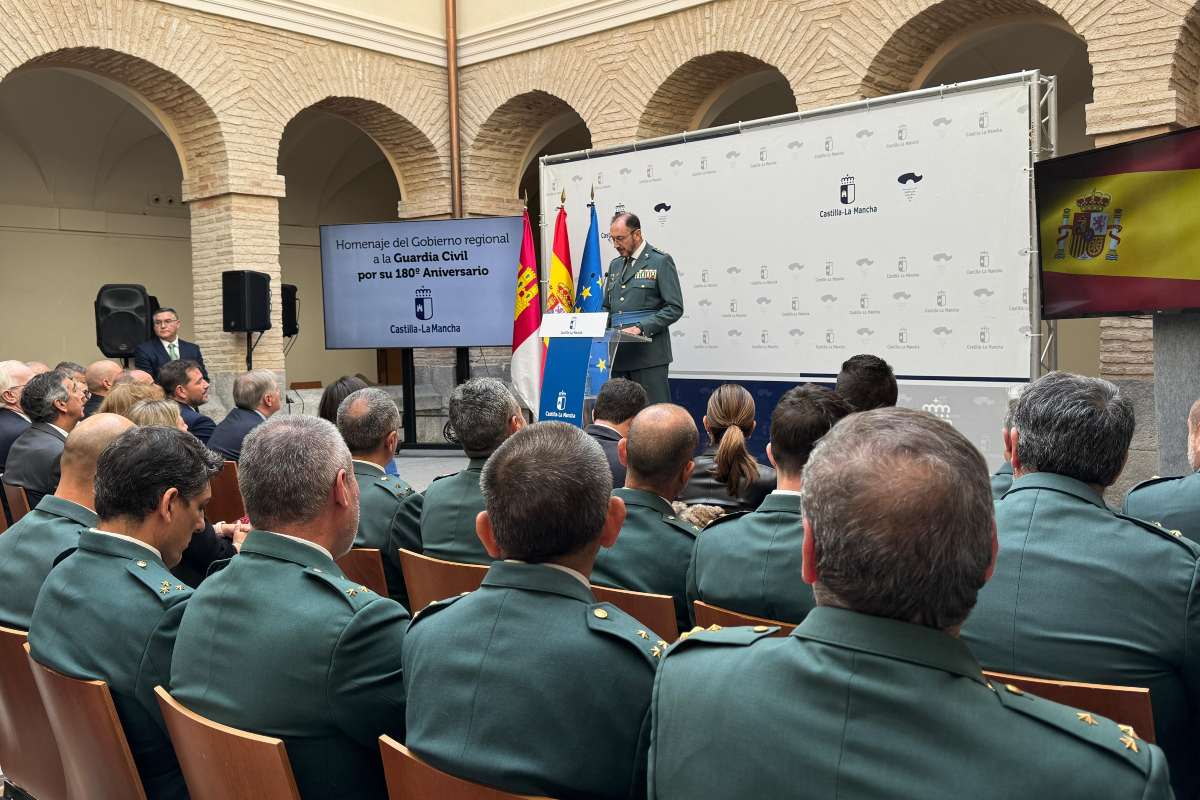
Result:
1114,228
434,283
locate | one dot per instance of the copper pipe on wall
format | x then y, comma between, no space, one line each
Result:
456,192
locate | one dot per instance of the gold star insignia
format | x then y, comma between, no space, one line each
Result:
656,651
714,627
351,592
1130,743
1128,731
364,590
179,587
586,293
165,590
662,643
643,634
1085,718
601,365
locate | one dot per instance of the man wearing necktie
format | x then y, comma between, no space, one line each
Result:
641,291
165,345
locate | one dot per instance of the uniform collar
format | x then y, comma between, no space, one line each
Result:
638,253
1059,483
1005,468
889,638
288,548
538,578
476,464
117,544
778,501
68,510
368,468
638,497
577,575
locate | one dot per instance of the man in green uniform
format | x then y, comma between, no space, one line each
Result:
1082,593
279,642
528,684
1173,503
110,610
873,695
369,422
1002,478
641,291
655,546
483,413
29,549
748,562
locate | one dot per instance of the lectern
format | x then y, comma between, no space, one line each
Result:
579,358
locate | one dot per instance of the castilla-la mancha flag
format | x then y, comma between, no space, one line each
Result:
528,349
561,287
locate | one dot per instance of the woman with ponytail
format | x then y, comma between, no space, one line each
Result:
726,475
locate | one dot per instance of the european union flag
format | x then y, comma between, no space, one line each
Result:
589,298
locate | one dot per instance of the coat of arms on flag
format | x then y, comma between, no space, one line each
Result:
1089,229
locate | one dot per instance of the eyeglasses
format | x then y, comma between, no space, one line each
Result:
162,323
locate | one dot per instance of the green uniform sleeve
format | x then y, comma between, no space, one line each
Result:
672,297
366,681
155,668
692,592
406,528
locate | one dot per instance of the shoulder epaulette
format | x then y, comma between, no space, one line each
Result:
682,524
355,594
1120,740
726,517
394,486
739,636
155,577
1157,528
436,606
1155,480
605,618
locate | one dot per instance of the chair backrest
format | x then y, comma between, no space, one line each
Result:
655,611
715,615
95,755
365,565
28,751
410,778
305,385
1125,705
18,501
431,579
226,503
223,763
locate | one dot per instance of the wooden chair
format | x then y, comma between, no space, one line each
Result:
430,579
95,755
3,520
226,503
18,501
365,565
1126,705
655,611
223,763
715,615
28,751
410,778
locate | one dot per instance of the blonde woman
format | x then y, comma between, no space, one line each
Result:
125,396
157,413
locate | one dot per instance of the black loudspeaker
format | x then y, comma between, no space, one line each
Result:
291,324
245,301
123,318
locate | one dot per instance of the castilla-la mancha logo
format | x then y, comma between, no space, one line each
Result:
423,301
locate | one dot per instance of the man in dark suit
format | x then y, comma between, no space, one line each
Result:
54,403
14,375
183,382
256,396
619,401
165,346
101,377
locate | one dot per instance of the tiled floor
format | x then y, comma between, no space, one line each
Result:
420,467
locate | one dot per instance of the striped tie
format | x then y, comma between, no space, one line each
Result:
173,351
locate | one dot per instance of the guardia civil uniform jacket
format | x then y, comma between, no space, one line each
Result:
856,707
649,283
529,685
1002,480
652,552
440,522
751,562
110,611
1085,594
380,498
280,643
28,550
1173,503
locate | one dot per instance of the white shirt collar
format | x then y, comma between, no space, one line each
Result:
369,464
149,547
577,575
787,491
304,541
638,253
169,341
19,413
60,430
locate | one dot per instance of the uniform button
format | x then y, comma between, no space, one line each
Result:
761,629
622,298
600,613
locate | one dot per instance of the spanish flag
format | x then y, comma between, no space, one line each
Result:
561,287
528,349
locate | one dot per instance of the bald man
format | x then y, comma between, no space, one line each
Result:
133,376
29,548
655,546
100,377
38,367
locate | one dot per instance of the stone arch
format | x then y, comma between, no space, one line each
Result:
1185,68
403,111
680,101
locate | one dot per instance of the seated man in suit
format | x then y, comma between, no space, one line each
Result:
867,382
30,547
54,402
166,346
110,610
369,423
618,402
280,642
483,413
1082,593
655,546
100,377
519,711
14,375
75,372
256,396
1173,503
748,562
898,539
183,382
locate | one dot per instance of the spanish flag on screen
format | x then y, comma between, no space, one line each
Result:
1116,228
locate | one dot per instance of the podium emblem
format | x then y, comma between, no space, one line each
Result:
561,404
424,303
